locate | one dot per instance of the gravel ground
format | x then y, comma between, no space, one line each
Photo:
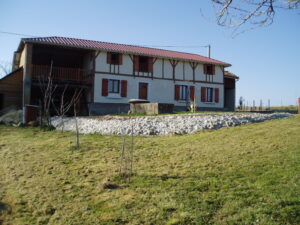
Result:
162,125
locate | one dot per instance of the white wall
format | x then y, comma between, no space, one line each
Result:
160,90
22,58
160,69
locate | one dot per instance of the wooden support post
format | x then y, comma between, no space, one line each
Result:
92,77
174,64
27,78
194,66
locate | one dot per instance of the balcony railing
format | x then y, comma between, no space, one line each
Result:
76,75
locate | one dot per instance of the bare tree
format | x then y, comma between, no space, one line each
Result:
66,104
5,68
47,88
254,13
127,156
75,100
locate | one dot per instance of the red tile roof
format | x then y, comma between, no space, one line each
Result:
230,75
130,49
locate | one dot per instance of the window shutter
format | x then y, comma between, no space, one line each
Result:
192,93
217,92
136,63
213,70
108,58
205,69
150,65
104,87
120,59
124,88
177,89
203,94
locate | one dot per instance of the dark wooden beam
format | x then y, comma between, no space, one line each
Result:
174,64
194,66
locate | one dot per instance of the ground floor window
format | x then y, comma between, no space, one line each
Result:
183,92
209,94
114,86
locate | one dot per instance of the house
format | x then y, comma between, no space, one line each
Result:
110,74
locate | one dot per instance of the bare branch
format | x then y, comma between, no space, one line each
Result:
252,13
5,68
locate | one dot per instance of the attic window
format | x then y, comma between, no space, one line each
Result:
209,69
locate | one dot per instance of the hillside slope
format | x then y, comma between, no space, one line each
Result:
242,175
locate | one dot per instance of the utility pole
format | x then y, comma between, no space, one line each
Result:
209,47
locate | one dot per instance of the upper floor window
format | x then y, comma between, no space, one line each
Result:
114,58
143,64
209,69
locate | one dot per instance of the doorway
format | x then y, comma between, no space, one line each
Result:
143,91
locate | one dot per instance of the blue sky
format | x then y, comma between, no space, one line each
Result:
266,59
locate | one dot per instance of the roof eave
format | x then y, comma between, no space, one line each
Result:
232,77
23,41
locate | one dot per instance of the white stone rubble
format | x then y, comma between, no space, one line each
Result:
162,125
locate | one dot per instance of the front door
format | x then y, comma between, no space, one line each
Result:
143,91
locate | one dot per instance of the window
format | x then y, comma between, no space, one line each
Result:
143,64
209,94
114,86
183,92
209,69
114,58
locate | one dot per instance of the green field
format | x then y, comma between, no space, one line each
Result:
285,108
242,175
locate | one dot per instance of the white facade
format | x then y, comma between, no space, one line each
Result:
161,83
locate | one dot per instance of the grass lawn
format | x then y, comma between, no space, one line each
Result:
242,175
283,108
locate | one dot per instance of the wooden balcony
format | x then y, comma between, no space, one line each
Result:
61,74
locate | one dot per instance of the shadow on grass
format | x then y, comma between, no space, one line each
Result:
5,208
